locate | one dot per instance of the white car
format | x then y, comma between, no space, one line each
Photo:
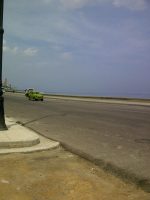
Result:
3,90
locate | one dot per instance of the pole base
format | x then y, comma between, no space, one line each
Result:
3,126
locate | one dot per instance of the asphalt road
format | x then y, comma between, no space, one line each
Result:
115,136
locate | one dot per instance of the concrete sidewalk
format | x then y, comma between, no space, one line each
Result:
20,139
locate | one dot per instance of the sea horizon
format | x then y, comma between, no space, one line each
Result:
111,95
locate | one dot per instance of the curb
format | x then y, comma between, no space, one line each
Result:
124,174
20,139
121,173
17,136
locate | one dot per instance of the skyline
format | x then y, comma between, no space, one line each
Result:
87,47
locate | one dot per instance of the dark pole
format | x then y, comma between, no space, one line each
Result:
2,118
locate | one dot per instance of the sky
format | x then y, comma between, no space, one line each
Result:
78,47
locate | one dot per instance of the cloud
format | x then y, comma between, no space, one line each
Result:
47,1
13,50
16,50
66,55
131,4
30,51
75,4
4,42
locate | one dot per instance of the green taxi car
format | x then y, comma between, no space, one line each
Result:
37,96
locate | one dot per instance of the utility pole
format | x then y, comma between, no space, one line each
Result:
2,118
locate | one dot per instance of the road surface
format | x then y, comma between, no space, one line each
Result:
115,136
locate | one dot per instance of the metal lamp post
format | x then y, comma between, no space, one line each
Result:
2,118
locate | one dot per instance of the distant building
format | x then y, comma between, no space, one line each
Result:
6,85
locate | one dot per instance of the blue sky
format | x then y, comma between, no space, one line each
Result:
88,47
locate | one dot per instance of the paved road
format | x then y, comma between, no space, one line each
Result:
115,136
